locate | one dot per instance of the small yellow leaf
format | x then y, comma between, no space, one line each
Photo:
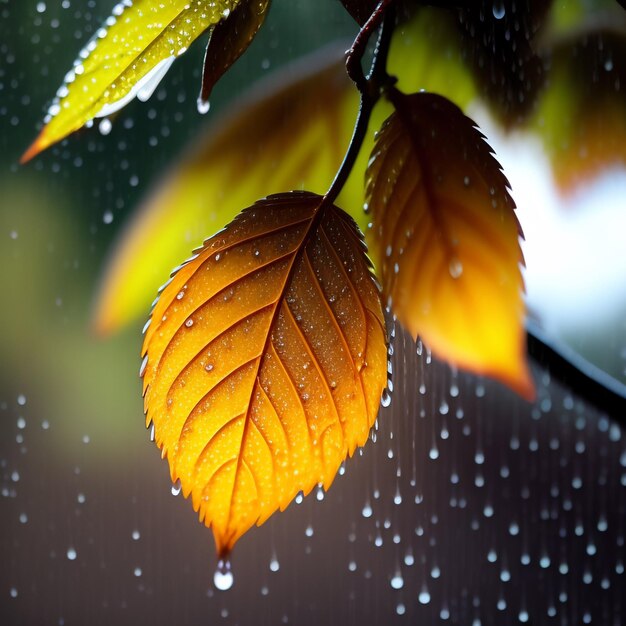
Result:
290,133
265,361
127,57
446,238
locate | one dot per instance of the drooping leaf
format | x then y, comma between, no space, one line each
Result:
446,238
289,133
229,39
127,57
265,361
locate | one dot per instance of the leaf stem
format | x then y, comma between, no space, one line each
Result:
370,86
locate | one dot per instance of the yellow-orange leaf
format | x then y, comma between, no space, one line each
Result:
446,238
126,58
265,361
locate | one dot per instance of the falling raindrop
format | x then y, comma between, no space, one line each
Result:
424,596
397,582
498,10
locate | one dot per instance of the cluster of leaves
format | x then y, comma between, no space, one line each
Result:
265,356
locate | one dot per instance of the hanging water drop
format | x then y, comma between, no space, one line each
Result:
176,487
203,106
385,399
223,578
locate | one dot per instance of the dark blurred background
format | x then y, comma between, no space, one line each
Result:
471,507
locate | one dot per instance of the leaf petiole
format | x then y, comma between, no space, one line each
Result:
370,86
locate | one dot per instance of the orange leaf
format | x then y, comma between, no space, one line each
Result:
447,239
265,361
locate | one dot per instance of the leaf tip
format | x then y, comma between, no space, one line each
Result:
39,145
519,380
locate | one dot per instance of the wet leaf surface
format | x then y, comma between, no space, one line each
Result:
446,239
265,361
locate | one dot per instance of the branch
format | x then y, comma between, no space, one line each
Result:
576,373
370,87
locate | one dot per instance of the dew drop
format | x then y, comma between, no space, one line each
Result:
223,578
176,487
455,268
